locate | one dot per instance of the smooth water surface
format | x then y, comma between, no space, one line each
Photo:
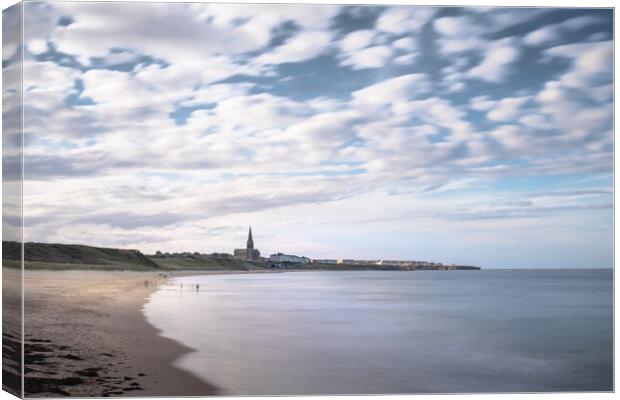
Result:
393,332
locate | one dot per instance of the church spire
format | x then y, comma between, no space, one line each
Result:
250,244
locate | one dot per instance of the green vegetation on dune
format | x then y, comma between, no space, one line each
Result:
72,256
55,256
207,263
35,265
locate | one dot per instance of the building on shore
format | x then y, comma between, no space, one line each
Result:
356,262
249,253
324,261
288,258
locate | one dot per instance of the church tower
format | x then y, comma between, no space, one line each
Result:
249,253
250,245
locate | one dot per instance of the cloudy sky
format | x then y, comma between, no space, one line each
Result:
470,135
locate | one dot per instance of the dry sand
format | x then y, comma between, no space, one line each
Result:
85,335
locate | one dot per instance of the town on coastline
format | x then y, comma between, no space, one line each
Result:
283,261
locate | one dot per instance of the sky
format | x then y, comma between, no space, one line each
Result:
479,136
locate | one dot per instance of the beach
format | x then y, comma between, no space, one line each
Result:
85,335
113,333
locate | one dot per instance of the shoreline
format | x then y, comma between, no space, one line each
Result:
86,335
161,378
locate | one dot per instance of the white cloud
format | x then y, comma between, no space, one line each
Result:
47,76
405,59
175,33
498,57
506,109
551,93
541,36
323,134
536,121
512,138
215,93
259,20
370,57
456,26
499,18
463,36
439,112
590,62
576,120
358,51
260,112
458,35
554,33
401,88
182,78
406,43
399,20
481,103
357,40
37,46
301,47
361,50
172,32
40,19
136,93
120,57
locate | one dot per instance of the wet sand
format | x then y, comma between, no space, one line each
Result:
85,335
11,330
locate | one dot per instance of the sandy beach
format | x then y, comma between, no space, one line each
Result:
85,335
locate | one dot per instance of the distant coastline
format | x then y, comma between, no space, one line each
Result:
56,256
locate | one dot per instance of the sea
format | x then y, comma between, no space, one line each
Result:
393,332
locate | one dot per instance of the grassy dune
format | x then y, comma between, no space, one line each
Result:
52,256
71,256
207,263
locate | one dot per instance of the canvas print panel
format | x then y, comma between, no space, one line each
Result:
12,295
286,199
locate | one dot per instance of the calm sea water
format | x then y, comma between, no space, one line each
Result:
393,332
